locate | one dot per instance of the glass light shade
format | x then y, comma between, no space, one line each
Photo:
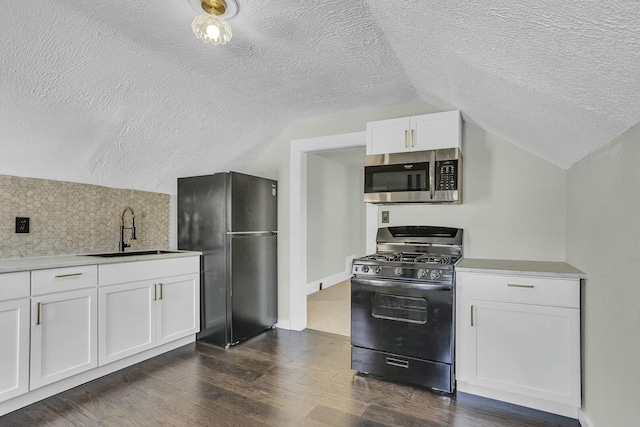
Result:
203,28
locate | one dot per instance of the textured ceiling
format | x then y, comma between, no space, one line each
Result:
121,93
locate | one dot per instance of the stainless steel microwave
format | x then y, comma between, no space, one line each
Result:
431,176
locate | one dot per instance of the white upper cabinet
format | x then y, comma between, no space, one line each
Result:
415,133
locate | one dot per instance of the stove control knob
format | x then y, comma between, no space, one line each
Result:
435,274
377,269
422,273
398,271
365,269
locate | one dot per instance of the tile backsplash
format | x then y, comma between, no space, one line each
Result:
73,218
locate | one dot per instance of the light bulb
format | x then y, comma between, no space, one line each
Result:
213,31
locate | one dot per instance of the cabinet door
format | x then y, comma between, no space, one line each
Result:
388,136
434,131
127,322
63,335
14,350
526,349
178,307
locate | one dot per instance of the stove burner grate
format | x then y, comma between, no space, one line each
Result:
434,259
383,256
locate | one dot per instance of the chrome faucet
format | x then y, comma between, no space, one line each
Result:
132,228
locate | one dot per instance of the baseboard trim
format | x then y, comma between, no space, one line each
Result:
283,324
327,282
584,419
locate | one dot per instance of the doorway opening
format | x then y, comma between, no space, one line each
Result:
300,150
336,220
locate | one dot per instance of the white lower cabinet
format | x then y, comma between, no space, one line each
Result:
14,348
141,309
14,334
178,311
61,327
138,316
127,320
516,351
63,335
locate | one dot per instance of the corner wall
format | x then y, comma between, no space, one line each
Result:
603,240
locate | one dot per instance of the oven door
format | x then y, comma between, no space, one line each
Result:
402,317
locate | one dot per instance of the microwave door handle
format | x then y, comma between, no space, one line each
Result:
432,174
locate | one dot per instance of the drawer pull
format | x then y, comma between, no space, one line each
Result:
38,314
513,285
397,362
68,275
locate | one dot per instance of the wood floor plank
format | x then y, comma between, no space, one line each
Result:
333,417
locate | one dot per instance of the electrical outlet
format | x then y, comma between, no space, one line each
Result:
22,224
385,217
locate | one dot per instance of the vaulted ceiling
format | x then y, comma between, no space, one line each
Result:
121,93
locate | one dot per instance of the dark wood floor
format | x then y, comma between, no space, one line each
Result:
280,378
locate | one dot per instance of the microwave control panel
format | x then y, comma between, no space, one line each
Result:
446,175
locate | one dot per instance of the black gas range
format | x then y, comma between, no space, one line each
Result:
402,306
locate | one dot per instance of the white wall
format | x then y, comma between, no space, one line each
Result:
514,203
603,240
335,215
274,163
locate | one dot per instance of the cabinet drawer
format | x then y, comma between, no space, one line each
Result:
14,285
63,279
438,376
522,289
126,272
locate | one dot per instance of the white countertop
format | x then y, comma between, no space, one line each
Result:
11,265
523,268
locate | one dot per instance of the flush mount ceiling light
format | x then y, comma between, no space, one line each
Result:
211,26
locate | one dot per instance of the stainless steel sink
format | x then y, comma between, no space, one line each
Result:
132,253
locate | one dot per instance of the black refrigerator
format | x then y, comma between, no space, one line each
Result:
232,219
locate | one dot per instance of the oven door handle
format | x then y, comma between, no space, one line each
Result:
377,283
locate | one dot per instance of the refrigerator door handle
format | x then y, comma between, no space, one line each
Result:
251,233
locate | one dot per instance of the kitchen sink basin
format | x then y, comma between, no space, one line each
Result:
132,253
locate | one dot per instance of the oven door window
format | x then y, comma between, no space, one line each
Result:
404,309
396,178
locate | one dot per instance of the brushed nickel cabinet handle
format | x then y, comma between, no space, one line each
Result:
405,138
160,290
59,276
155,291
513,285
471,315
412,139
